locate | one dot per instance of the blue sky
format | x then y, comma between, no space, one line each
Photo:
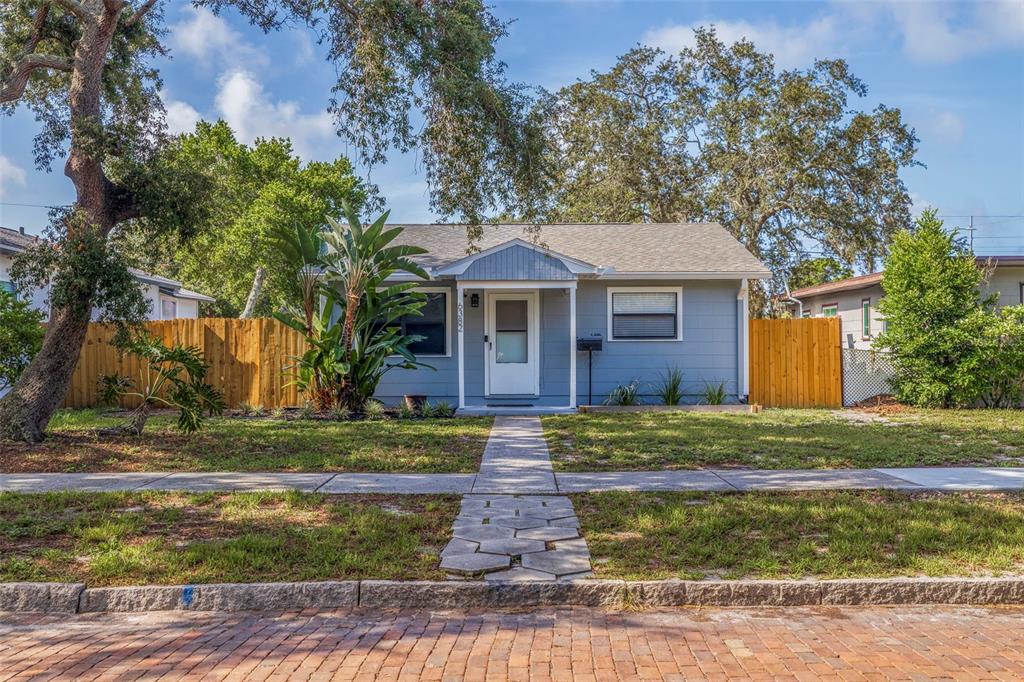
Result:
956,70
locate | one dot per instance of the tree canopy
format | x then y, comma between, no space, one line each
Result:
716,133
88,70
256,191
812,271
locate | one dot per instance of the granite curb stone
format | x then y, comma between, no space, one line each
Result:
40,597
223,597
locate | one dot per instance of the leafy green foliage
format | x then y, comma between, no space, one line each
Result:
353,339
625,394
940,333
169,377
813,271
670,390
21,335
715,133
256,192
714,394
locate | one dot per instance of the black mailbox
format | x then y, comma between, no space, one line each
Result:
588,344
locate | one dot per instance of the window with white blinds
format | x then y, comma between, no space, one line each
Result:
642,314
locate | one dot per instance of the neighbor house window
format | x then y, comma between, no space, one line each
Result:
1022,292
168,309
645,314
830,310
865,318
432,325
7,286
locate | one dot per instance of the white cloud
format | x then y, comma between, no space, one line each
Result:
10,175
947,126
207,38
938,32
243,103
926,31
792,46
181,116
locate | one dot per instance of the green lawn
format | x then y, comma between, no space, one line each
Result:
171,538
777,439
795,535
264,444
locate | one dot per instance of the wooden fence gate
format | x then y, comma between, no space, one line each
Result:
796,363
247,359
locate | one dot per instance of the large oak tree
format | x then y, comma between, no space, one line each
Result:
87,69
716,133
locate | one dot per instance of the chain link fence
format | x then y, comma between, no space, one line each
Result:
866,374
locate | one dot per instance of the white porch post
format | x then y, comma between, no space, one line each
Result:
572,345
460,316
744,338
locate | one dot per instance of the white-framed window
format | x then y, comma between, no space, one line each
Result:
168,309
645,313
865,318
434,324
8,287
830,310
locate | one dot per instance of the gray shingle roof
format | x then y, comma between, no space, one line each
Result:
626,248
14,240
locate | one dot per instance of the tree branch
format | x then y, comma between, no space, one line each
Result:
138,14
37,28
73,6
14,86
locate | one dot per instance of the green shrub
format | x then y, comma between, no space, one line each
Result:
441,409
374,409
626,394
21,336
670,390
714,394
948,347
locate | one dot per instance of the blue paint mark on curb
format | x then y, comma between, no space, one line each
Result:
187,593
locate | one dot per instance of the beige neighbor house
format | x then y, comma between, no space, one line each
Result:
167,298
855,300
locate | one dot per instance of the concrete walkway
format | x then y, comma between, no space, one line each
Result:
535,480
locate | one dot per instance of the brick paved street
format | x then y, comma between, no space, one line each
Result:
556,644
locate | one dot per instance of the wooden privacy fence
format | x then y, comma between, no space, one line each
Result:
796,363
247,359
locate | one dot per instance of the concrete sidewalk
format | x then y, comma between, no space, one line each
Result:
523,481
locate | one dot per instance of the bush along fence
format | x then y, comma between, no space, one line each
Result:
248,359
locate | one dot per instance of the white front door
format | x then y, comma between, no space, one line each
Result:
512,346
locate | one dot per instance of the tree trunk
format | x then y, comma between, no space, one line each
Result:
26,410
254,293
41,388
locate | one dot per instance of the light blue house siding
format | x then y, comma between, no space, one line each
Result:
517,263
708,353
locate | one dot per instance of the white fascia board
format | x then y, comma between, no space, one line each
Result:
683,275
460,266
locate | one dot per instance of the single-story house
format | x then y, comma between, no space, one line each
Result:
168,299
502,323
855,299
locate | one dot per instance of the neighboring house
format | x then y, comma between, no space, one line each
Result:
855,299
167,298
501,325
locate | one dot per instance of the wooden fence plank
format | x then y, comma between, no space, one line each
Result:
246,359
795,363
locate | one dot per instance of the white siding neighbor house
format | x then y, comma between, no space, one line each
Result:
855,300
167,298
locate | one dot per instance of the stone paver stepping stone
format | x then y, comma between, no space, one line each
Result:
477,562
519,575
567,522
513,547
548,534
459,546
551,513
557,562
519,522
482,532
